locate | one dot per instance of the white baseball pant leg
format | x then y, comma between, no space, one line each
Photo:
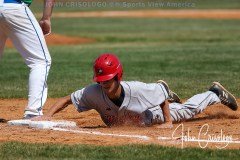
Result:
26,34
187,110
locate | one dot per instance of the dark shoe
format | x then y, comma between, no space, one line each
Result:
225,96
29,116
3,120
172,96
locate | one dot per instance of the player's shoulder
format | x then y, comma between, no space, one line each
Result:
90,89
93,88
88,92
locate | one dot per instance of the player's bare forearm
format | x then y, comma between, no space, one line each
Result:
59,105
45,22
167,116
166,111
48,7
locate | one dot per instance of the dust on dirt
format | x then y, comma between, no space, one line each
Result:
217,117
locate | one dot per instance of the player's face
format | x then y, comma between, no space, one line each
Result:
110,87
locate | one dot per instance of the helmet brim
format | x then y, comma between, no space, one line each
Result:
103,78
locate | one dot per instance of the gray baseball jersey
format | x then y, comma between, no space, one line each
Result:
141,103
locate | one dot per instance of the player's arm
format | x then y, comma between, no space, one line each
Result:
166,114
58,106
45,21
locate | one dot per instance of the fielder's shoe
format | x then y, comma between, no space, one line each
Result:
173,97
225,96
29,116
3,120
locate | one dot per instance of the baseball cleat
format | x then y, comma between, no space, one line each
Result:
3,120
172,96
224,95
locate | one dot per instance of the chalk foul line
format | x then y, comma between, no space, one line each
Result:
101,133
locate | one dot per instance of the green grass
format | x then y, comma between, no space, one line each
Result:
13,150
81,5
150,30
188,54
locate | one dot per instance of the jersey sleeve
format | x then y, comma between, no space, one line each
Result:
80,101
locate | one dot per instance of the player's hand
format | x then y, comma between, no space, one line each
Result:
166,125
41,118
45,24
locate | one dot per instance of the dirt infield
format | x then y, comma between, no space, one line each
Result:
218,117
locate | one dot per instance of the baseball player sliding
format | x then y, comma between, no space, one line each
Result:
120,102
27,35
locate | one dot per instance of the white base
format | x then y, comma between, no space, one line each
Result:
42,124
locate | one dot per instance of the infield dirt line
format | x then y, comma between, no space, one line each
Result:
101,133
143,137
193,14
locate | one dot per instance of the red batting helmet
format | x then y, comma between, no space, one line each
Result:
107,66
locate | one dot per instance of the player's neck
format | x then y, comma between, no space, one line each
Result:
116,94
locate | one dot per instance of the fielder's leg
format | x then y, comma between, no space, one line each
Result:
29,40
3,36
